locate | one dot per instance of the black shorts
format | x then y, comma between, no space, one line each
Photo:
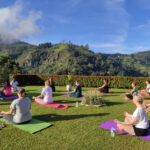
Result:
104,90
140,132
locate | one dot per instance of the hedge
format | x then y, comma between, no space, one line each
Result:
86,81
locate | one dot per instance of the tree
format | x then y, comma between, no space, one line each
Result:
45,45
8,67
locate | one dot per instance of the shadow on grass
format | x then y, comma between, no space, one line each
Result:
146,98
64,101
5,102
104,95
108,103
117,92
55,117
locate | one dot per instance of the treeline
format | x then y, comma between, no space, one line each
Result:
65,57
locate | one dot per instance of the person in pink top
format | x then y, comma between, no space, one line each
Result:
6,90
46,95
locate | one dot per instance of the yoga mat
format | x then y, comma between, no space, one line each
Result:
109,124
10,97
55,105
33,126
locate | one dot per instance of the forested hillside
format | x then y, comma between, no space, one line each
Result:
63,58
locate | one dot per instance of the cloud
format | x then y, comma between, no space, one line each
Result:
16,24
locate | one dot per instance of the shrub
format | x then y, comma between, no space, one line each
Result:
93,98
69,79
86,81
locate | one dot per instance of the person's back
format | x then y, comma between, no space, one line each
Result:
47,92
22,110
134,91
78,91
143,120
106,88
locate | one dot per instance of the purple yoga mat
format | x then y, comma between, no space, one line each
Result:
10,97
109,124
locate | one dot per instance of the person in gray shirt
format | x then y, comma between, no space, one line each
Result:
19,111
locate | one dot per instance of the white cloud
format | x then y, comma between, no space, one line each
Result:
15,24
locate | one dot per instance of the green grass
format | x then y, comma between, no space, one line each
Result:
74,128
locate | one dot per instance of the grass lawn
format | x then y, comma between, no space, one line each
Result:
74,128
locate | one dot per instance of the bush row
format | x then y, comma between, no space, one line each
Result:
86,81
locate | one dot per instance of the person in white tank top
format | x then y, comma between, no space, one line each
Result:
136,123
46,95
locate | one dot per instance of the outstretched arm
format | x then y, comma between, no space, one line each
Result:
7,112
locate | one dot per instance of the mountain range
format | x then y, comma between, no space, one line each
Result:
65,57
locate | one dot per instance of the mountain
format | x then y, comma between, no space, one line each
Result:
63,58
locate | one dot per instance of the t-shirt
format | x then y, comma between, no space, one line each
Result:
14,85
143,122
7,90
21,107
148,88
47,92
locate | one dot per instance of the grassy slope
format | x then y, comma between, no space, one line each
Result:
73,129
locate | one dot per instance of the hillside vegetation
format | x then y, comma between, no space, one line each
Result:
63,58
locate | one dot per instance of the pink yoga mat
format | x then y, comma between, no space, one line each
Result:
55,105
109,124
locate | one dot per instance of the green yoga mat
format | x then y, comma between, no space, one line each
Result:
33,126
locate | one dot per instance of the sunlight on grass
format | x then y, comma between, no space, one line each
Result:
74,128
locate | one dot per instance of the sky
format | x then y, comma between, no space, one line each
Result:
107,26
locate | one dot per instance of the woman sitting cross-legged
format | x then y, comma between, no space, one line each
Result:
132,93
19,111
104,88
77,91
46,95
137,123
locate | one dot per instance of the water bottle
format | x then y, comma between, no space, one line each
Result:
112,132
77,104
